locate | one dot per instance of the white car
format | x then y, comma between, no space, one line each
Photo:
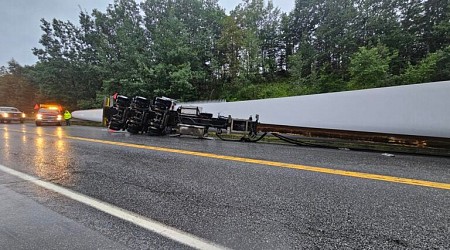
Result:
11,114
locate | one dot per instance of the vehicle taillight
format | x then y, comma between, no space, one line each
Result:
5,115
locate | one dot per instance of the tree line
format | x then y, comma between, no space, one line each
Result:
194,50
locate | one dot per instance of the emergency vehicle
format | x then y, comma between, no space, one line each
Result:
49,114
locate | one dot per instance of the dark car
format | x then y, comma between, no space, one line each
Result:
11,114
48,116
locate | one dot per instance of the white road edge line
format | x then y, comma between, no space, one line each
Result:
149,224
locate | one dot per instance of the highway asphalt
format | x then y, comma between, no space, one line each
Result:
211,193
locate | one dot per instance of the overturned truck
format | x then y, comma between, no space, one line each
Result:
139,115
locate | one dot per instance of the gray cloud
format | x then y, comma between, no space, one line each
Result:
20,30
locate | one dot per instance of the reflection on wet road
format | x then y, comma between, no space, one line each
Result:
6,145
49,155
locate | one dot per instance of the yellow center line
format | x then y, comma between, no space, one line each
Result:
280,164
386,178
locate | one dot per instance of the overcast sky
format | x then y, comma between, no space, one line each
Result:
19,19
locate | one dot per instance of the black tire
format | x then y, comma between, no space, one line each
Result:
132,130
38,124
22,121
114,126
154,132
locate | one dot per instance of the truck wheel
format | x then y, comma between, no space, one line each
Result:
132,130
38,124
114,126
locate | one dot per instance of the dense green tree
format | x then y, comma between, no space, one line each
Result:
442,72
285,43
230,45
184,34
16,89
369,67
377,21
260,24
434,67
436,24
63,73
121,45
172,55
270,36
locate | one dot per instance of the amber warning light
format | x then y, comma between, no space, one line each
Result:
50,106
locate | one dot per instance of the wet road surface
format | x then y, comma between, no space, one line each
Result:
233,195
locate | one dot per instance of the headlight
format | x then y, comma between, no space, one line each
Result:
5,115
59,118
39,116
23,115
